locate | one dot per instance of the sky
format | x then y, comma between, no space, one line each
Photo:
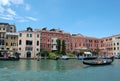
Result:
94,18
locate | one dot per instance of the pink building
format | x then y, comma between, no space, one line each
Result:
29,43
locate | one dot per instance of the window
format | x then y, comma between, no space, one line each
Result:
11,37
117,43
37,43
11,44
114,48
6,44
20,34
6,37
19,48
117,48
28,48
48,45
114,44
3,28
2,42
28,42
27,35
30,35
37,49
37,35
20,42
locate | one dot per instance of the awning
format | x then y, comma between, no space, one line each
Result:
79,48
89,53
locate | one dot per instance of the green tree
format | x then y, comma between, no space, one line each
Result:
96,52
44,53
63,47
58,45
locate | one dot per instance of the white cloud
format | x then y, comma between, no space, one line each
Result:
7,11
32,18
5,2
10,11
6,17
10,2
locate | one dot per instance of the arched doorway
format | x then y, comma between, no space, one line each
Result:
28,54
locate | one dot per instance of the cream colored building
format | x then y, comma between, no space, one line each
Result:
2,38
12,41
29,43
111,44
116,44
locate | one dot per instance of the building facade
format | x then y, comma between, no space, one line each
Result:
29,43
111,45
82,42
4,28
12,41
49,37
116,44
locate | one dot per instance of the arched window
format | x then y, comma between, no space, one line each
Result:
20,42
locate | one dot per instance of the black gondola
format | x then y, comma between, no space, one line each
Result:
101,62
9,59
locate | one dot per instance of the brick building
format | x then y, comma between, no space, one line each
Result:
49,37
80,42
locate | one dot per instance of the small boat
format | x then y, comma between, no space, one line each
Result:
64,57
56,58
100,62
9,59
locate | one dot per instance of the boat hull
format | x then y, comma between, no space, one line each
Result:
98,63
9,59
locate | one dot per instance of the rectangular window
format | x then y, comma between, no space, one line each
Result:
117,43
3,28
117,48
28,42
20,34
20,42
37,43
19,48
27,35
30,35
37,35
28,48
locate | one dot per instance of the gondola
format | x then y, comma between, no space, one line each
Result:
100,62
9,59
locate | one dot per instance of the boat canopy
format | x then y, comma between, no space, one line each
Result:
88,53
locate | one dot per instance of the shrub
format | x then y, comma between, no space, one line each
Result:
44,53
70,55
52,55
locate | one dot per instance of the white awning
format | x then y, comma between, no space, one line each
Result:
88,53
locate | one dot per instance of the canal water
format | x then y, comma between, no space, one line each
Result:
61,70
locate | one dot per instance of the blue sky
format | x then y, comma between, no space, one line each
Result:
95,18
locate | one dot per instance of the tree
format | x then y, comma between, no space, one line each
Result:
58,45
63,47
44,53
96,52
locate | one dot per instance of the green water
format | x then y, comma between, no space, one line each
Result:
61,70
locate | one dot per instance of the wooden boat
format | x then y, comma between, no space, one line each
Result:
9,59
100,62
